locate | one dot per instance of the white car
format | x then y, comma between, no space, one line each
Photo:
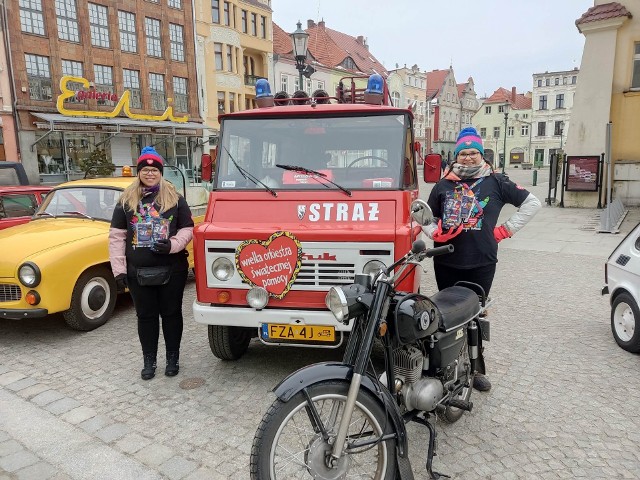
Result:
622,277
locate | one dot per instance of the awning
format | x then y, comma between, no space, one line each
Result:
113,124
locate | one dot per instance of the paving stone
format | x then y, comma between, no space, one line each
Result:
96,423
78,415
177,468
9,447
17,460
47,397
154,454
112,432
34,390
62,406
132,442
21,384
10,377
37,471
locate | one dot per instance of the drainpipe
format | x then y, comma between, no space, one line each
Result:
7,46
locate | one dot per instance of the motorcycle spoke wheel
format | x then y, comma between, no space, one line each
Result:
297,451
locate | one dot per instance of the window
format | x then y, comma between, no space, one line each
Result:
99,25
542,129
20,205
539,82
560,100
215,11
67,19
103,78
564,80
175,4
221,101
230,58
127,27
510,131
31,18
635,79
180,99
575,78
496,132
307,86
557,81
39,77
254,25
131,82
217,48
176,38
156,87
227,17
501,109
524,130
483,132
547,82
542,105
152,29
244,21
284,83
487,110
395,98
232,102
263,26
74,69
296,84
558,127
320,85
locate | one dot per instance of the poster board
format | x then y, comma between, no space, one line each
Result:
582,173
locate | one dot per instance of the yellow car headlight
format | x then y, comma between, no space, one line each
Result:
29,274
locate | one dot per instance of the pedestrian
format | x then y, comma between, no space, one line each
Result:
150,228
466,204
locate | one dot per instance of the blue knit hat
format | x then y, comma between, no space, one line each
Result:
469,138
150,158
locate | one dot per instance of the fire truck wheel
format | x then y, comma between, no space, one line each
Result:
229,343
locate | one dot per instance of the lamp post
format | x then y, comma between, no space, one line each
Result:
561,132
506,117
299,40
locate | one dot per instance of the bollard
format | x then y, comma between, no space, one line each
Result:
535,177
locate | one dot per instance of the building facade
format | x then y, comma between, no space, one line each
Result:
133,73
8,131
410,90
234,49
552,100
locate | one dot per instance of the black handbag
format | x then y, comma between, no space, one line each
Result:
153,276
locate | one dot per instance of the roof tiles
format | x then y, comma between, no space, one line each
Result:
603,12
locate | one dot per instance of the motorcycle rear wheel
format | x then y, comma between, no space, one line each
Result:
287,447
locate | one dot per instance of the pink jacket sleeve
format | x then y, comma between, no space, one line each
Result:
117,248
180,239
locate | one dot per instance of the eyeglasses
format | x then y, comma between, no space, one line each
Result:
472,156
150,171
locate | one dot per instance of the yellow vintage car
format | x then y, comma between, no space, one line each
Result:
59,261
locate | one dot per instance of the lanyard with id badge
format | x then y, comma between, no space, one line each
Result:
150,226
462,207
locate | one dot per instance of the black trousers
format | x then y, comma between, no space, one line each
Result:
447,276
159,301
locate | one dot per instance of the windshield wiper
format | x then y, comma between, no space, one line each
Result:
38,214
75,212
313,174
249,176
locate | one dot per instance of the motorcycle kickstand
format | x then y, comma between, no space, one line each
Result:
432,448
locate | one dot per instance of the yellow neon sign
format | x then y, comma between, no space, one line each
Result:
122,105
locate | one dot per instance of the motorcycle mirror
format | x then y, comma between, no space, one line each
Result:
418,246
421,212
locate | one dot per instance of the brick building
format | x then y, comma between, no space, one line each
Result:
143,47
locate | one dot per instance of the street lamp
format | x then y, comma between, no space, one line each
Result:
561,132
299,40
506,117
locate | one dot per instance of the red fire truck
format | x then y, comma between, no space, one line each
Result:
306,193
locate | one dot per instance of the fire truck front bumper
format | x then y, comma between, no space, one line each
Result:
248,317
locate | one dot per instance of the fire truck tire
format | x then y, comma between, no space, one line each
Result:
229,343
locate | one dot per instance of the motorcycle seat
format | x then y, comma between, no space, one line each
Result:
456,306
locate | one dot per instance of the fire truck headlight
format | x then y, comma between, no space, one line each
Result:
257,298
222,268
336,301
373,267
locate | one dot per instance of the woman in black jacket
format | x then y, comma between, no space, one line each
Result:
150,229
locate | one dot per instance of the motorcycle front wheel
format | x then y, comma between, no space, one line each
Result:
286,445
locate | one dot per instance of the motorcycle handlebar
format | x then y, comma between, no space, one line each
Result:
444,249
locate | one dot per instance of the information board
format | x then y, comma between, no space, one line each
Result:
582,173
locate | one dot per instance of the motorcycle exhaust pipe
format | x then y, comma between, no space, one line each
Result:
472,333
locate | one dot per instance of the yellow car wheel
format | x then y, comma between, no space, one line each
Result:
93,300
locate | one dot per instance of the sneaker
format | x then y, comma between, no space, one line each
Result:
481,383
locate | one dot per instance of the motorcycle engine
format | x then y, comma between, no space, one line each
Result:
418,392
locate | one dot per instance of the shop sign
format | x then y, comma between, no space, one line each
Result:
122,106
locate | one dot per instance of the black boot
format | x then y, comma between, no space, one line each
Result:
149,370
172,364
481,383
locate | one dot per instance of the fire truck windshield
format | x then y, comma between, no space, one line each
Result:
353,152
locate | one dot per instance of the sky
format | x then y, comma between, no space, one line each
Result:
500,43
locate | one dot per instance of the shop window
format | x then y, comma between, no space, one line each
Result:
635,80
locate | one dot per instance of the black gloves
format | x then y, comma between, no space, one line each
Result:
121,282
162,246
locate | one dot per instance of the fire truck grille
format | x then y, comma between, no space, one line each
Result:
9,292
325,274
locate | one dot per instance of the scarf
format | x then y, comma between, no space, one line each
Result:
468,172
150,190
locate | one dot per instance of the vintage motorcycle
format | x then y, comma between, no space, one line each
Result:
341,420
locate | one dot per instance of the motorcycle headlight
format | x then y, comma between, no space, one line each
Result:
222,268
372,267
336,301
29,274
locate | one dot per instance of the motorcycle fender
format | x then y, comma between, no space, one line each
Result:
323,371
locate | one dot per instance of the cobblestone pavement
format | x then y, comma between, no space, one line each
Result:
564,402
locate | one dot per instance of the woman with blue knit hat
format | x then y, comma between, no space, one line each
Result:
467,202
150,229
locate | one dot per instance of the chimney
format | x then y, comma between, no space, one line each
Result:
360,39
321,23
311,23
513,94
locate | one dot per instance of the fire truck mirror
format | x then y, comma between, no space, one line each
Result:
432,168
207,166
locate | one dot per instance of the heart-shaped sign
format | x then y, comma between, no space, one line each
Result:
272,265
